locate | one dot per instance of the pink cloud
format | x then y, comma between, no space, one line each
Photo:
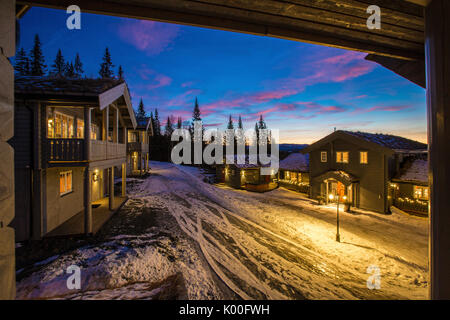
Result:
160,80
149,36
187,84
382,108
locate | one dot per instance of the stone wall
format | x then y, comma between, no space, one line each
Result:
7,247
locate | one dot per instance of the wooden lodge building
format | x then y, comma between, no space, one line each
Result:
69,135
363,167
294,172
138,147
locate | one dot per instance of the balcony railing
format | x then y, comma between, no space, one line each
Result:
65,150
137,146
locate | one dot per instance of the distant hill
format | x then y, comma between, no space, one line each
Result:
291,147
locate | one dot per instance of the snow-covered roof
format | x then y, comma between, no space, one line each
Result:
295,162
58,85
389,141
416,170
241,164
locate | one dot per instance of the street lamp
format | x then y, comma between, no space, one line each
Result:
331,196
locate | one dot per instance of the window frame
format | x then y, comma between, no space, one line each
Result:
422,192
367,157
66,190
343,152
68,127
322,153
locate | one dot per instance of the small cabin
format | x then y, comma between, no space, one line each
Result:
294,172
409,190
138,147
358,167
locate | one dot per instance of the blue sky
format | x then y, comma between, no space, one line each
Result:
301,89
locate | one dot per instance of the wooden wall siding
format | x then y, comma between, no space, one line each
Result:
137,146
338,23
65,150
22,142
371,176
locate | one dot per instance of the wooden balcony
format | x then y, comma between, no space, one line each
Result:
137,146
72,150
65,150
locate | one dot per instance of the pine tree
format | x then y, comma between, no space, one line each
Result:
120,73
179,123
196,116
169,128
240,126
59,65
261,123
37,64
69,70
230,123
78,66
157,127
141,114
22,63
106,66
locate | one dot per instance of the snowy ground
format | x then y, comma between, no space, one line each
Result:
214,242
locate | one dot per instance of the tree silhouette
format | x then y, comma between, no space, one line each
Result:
69,70
37,61
240,123
120,73
169,128
230,123
106,66
157,126
22,63
78,66
59,65
179,123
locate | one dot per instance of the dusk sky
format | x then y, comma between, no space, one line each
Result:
302,89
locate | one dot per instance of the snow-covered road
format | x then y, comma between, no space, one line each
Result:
279,245
275,245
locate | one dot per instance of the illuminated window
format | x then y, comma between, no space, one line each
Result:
65,182
80,128
421,192
60,126
323,156
342,157
94,131
363,157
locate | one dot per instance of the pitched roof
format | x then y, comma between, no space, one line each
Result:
416,170
389,141
295,162
64,86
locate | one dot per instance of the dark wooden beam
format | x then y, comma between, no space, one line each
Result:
438,102
341,24
414,70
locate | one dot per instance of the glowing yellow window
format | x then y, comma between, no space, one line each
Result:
80,128
421,192
65,182
363,157
342,157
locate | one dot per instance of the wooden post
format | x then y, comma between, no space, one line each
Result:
111,188
116,125
87,133
124,179
105,123
140,163
437,40
87,200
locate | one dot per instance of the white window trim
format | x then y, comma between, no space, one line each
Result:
321,156
54,124
65,181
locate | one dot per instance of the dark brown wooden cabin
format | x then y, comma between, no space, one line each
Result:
359,166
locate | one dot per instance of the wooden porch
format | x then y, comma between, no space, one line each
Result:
100,215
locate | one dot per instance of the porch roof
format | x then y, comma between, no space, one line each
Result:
341,176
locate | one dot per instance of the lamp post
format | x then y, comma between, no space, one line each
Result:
331,196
